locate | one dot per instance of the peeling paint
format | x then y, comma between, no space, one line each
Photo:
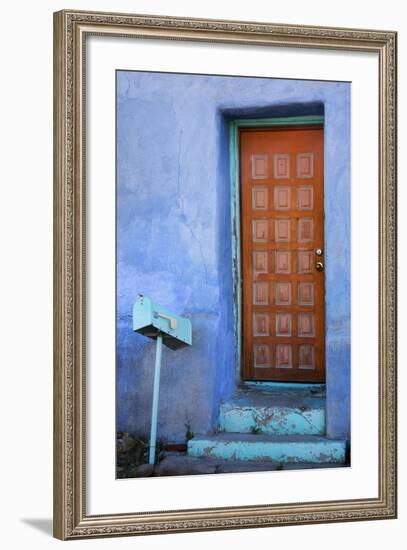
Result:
280,419
284,449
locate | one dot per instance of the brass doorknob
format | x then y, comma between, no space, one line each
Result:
319,266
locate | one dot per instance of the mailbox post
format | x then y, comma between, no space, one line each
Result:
156,392
175,332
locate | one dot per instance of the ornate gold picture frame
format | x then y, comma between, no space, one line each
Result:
71,31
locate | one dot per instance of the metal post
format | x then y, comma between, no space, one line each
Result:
156,391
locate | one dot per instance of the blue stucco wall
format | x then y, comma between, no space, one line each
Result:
174,238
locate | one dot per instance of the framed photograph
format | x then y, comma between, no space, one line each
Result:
225,274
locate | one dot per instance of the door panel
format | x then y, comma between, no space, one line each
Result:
282,228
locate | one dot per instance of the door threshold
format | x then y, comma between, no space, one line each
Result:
280,385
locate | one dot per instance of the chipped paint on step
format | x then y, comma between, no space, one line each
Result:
284,449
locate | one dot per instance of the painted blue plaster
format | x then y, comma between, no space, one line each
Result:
174,239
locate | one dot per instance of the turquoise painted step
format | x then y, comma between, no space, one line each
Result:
278,413
277,448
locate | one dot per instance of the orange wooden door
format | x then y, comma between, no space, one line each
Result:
282,237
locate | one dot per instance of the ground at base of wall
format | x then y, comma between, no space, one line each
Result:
178,463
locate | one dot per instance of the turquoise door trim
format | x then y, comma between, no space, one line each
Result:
234,152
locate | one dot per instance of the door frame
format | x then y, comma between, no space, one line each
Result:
234,158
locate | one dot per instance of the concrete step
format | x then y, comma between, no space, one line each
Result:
310,449
280,412
180,464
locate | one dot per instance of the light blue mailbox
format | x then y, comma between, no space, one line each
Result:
151,319
167,328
